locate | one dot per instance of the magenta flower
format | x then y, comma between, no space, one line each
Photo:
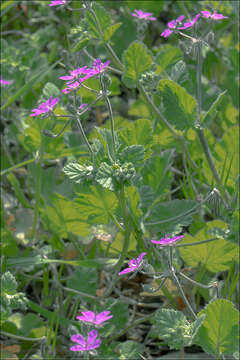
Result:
45,107
97,319
87,73
167,241
57,2
6,82
143,15
133,264
82,106
84,345
213,16
190,23
74,74
172,25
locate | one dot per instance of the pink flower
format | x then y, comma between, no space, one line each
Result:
166,33
84,345
87,73
172,25
75,74
82,106
97,319
133,264
190,23
167,241
57,2
143,15
213,16
45,107
6,82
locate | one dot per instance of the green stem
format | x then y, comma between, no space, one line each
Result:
126,240
197,242
23,338
104,92
106,44
38,194
195,282
182,293
83,135
14,167
200,131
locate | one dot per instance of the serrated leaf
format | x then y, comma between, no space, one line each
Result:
179,107
219,333
97,205
133,154
173,327
80,45
137,59
104,176
79,173
108,33
138,132
104,20
8,283
129,350
216,255
64,216
166,216
51,90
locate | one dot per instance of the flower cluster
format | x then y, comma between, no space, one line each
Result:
74,80
79,75
91,342
177,24
143,15
45,107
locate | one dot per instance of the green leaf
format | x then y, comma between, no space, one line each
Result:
173,327
156,172
104,20
133,154
166,216
97,206
138,132
216,255
8,283
167,56
80,45
129,350
219,333
64,216
79,173
108,33
51,90
104,176
84,280
179,107
213,108
137,59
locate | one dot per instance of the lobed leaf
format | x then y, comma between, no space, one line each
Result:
137,59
